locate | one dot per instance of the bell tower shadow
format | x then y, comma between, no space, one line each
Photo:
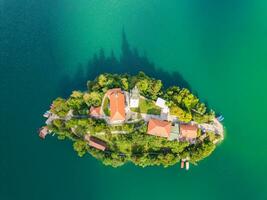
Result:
130,61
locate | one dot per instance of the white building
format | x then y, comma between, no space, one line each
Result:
134,97
161,103
164,108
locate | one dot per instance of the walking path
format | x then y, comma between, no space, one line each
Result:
119,132
215,126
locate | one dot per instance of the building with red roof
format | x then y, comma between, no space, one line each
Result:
95,111
43,132
188,131
159,128
97,143
117,105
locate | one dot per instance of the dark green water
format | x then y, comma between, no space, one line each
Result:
219,48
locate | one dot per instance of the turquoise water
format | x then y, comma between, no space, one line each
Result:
48,48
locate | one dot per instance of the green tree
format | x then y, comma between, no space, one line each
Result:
60,107
155,88
182,115
124,84
80,147
200,151
92,99
102,80
135,146
58,123
76,94
143,85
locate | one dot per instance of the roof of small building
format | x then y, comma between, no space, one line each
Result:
161,102
188,131
110,91
95,111
117,105
43,132
159,128
166,110
97,143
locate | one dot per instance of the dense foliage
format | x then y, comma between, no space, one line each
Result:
133,143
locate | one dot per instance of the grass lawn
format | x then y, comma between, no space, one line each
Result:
148,107
106,107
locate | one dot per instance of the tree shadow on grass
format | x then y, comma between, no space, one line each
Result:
130,62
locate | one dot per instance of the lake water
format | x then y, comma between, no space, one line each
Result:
48,48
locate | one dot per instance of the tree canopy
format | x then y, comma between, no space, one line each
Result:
135,145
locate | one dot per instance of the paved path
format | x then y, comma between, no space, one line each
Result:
118,132
147,117
214,126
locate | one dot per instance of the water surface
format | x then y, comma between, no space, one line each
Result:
48,48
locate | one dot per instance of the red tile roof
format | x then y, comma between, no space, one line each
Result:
159,128
95,111
113,90
117,105
43,132
188,131
97,143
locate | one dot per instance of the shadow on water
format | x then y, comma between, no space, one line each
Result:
130,61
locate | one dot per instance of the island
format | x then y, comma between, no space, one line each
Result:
124,118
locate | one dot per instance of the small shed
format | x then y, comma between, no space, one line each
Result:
97,143
164,108
95,111
161,103
43,132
